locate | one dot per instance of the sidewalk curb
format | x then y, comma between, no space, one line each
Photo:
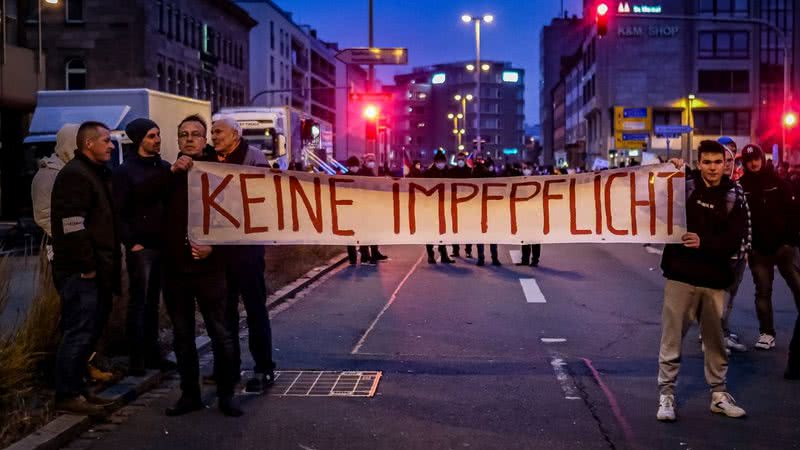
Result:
65,428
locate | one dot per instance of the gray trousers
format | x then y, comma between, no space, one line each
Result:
738,269
684,304
762,266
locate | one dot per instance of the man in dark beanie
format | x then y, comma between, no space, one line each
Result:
773,210
139,186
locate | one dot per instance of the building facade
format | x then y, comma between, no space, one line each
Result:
718,77
290,65
429,100
195,48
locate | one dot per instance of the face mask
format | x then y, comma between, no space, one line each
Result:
527,172
371,165
440,166
461,163
417,167
353,169
491,168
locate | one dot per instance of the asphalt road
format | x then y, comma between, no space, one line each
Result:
473,357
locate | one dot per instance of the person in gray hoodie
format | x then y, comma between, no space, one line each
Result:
42,185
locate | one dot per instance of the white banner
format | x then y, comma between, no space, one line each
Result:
231,204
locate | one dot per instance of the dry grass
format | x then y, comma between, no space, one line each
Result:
286,263
24,402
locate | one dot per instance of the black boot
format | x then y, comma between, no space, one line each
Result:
480,262
229,405
185,405
496,262
446,259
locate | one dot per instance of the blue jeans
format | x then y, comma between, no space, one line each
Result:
83,314
144,272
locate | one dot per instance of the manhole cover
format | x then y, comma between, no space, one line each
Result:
314,383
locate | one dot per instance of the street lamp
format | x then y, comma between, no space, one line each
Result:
39,58
488,18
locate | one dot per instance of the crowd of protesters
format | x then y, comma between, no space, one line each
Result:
740,212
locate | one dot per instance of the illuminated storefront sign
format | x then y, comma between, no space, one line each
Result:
651,31
627,8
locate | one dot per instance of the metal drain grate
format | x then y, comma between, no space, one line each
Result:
314,383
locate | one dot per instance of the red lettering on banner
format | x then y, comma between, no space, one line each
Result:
651,190
296,188
670,196
210,202
546,197
247,201
455,200
335,202
573,213
598,210
609,218
513,200
279,200
485,197
396,206
412,219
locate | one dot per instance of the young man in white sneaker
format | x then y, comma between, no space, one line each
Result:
698,272
775,236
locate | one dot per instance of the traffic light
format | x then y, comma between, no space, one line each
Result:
790,120
371,113
601,17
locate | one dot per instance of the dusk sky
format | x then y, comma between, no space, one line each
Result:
434,33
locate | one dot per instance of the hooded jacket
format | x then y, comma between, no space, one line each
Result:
720,220
773,209
42,185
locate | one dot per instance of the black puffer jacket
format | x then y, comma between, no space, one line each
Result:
720,220
84,228
177,250
460,172
139,186
773,210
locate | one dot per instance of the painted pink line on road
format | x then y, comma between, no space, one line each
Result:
612,400
361,341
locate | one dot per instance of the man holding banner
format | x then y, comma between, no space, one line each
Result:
698,272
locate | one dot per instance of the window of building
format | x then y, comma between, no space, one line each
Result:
160,6
733,8
717,123
271,35
73,10
179,84
723,81
272,69
723,44
169,21
667,117
191,88
186,31
75,76
170,80
177,25
162,82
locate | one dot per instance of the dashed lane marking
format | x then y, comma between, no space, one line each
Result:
552,340
531,290
363,339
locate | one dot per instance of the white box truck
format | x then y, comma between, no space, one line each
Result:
113,107
278,131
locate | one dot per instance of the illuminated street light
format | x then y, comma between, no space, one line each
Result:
457,97
450,116
485,67
460,116
488,18
470,67
466,18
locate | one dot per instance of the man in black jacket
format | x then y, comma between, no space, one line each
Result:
773,212
195,273
461,170
698,272
245,264
370,255
139,187
438,170
86,265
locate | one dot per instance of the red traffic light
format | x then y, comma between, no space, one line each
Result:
371,112
601,17
790,120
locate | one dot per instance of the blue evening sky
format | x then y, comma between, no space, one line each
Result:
433,32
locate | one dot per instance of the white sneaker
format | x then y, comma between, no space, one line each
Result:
666,408
723,403
732,343
765,341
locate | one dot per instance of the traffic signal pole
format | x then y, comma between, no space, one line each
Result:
372,144
787,96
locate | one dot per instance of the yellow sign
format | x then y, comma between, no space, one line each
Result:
632,127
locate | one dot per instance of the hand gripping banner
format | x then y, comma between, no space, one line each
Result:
231,204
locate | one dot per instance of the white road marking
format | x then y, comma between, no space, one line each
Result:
567,385
532,292
516,256
552,340
361,341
